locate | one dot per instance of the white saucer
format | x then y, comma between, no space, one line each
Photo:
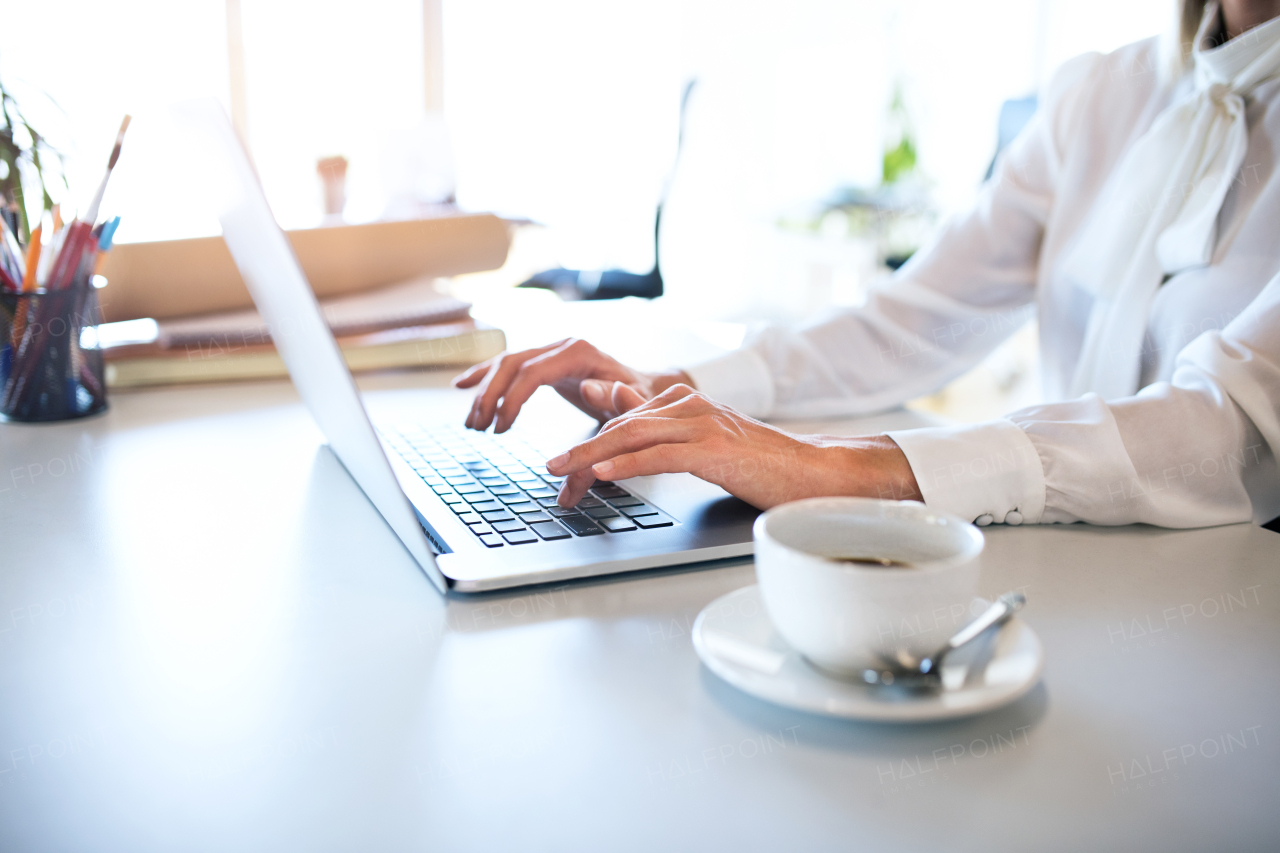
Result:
736,640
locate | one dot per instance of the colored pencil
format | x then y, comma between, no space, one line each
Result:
11,263
33,261
49,376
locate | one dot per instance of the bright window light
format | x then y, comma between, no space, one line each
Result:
563,111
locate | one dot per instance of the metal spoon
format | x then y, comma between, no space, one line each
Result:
908,671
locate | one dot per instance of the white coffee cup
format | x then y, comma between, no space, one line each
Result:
846,616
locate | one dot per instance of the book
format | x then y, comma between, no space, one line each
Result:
411,303
404,325
459,343
178,278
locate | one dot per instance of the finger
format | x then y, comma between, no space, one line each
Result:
574,488
472,375
660,459
632,434
667,398
478,401
625,398
495,383
595,393
610,399
573,359
475,405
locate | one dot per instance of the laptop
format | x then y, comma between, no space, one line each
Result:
476,511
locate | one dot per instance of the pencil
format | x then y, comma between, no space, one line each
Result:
69,256
49,226
108,234
11,258
33,260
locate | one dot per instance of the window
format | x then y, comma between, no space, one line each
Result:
560,110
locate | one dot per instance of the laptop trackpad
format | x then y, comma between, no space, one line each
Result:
691,500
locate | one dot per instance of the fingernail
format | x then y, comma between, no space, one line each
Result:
603,468
561,460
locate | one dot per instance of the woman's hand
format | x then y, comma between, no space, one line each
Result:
597,384
681,430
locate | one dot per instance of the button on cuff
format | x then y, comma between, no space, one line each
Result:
976,470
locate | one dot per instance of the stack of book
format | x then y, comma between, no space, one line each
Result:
180,312
410,325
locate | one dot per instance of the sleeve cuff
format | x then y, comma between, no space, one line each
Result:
739,379
988,472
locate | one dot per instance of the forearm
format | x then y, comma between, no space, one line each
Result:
681,430
865,466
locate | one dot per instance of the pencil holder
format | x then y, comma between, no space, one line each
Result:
51,363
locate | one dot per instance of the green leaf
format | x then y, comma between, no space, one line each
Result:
899,161
15,154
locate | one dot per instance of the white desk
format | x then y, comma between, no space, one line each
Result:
209,640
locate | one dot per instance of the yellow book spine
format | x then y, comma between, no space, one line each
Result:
459,350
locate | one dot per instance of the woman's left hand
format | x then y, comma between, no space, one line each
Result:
681,430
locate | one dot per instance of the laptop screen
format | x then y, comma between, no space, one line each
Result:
287,304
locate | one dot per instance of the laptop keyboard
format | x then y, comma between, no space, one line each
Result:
499,486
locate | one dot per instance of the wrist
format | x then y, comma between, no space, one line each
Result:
894,478
867,466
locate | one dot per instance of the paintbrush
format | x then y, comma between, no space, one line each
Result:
92,213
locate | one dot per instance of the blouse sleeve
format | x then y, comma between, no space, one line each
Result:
940,315
1196,451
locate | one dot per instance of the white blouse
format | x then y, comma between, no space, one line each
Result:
1196,446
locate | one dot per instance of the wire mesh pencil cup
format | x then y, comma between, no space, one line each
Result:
50,361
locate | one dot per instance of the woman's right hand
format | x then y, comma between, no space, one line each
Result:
597,384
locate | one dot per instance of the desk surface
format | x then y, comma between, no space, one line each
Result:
209,640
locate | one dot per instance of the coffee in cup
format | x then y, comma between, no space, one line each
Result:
851,583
